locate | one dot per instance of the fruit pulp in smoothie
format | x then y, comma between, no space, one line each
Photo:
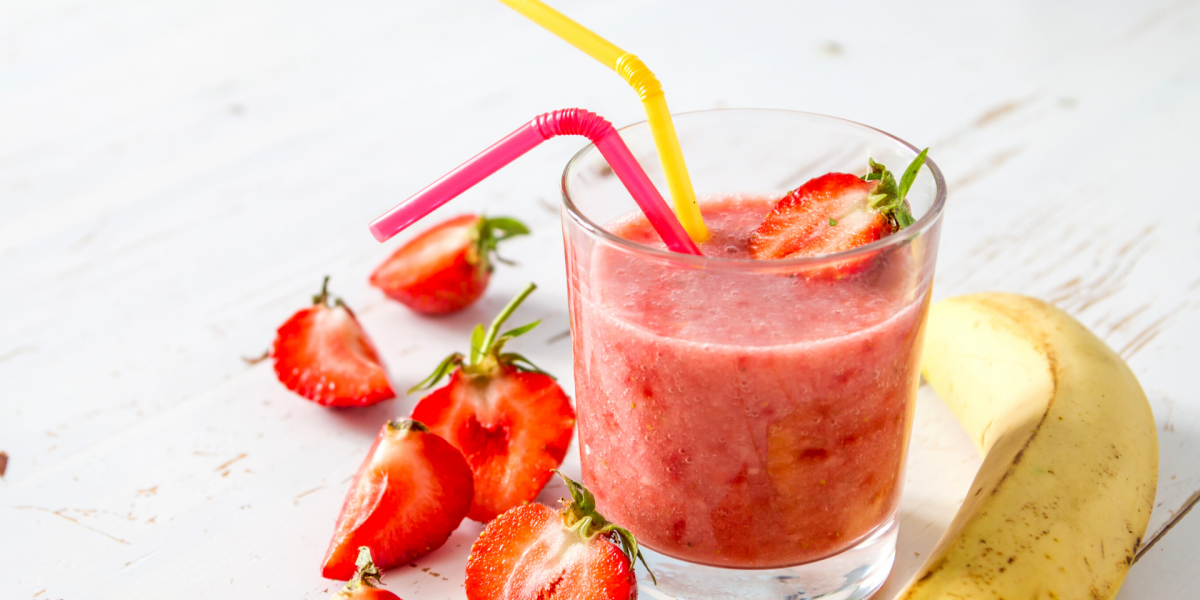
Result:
741,418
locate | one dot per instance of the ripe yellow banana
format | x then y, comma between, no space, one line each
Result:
1070,454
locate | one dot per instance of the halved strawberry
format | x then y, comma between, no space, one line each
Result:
511,420
446,268
410,493
365,584
323,354
533,552
836,212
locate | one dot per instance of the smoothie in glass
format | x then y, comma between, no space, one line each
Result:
745,421
748,419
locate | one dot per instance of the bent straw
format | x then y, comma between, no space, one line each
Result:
571,121
649,90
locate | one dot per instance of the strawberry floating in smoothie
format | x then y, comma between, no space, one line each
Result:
836,212
510,419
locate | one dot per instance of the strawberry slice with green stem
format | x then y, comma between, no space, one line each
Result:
323,354
447,267
837,212
532,551
510,419
412,490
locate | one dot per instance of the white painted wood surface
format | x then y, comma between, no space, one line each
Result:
176,177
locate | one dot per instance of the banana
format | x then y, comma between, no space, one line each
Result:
1070,454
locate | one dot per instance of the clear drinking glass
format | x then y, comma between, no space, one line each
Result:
748,420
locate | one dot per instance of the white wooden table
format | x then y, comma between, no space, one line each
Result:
176,177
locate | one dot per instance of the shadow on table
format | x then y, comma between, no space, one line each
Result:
365,421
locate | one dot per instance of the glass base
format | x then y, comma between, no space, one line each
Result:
855,574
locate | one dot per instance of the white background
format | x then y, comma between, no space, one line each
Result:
177,176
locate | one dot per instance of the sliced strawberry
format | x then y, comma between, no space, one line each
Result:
446,268
533,552
826,212
323,354
513,428
835,212
511,421
365,584
410,493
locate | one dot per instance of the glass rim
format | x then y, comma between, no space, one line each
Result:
920,226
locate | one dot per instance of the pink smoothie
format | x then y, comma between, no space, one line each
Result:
744,419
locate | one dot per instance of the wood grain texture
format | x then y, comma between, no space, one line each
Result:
176,178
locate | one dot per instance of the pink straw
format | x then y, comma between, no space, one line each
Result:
570,121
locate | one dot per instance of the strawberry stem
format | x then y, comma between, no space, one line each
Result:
486,345
323,297
477,346
403,425
367,575
889,197
580,516
489,339
445,367
490,232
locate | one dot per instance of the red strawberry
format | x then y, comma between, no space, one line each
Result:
836,212
511,420
446,268
365,585
532,552
410,493
825,215
323,354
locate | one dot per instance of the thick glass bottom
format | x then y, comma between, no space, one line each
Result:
854,574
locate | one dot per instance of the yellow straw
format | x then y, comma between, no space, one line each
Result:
648,89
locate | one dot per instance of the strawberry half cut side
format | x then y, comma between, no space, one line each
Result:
323,354
448,267
511,420
836,212
366,581
410,493
532,551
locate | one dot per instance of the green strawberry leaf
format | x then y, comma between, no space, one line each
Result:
523,364
910,174
486,347
446,366
477,344
519,331
490,232
580,516
506,227
486,354
582,500
488,341
889,197
630,547
887,183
